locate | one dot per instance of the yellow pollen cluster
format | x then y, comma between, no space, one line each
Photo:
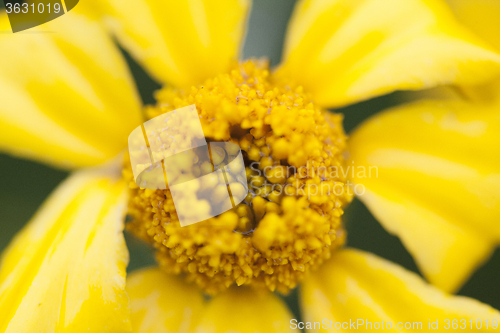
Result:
289,223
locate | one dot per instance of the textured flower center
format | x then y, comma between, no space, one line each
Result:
289,222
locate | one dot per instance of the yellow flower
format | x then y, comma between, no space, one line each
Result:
69,100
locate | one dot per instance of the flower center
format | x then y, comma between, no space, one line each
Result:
289,223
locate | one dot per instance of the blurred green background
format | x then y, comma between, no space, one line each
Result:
25,184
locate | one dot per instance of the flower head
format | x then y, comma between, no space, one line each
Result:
290,220
72,103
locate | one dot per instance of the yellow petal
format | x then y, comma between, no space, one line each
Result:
344,51
162,303
357,287
431,171
67,96
65,272
180,42
243,310
483,18
489,92
480,16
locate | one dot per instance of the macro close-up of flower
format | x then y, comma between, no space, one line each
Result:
422,158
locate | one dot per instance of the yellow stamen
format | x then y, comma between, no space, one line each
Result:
289,222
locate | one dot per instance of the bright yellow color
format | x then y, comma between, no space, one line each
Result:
279,237
480,16
65,272
345,51
162,303
483,18
66,100
244,310
438,184
180,42
358,285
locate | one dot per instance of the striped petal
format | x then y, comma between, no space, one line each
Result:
179,42
243,310
431,171
483,18
162,303
65,272
480,16
357,290
67,96
345,51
